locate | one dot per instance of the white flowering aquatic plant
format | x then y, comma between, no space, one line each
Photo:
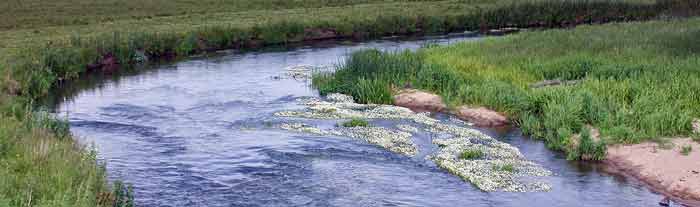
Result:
499,166
395,141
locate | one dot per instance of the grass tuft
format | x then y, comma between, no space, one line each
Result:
685,150
471,154
505,167
356,123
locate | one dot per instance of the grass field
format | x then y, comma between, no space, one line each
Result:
45,42
632,81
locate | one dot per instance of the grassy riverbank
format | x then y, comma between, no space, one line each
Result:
632,81
37,57
43,43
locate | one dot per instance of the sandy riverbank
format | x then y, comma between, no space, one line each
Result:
666,171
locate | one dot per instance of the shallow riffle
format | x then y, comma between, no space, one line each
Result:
484,172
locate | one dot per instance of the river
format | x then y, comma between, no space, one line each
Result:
200,132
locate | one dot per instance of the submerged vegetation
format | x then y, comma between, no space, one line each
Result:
633,81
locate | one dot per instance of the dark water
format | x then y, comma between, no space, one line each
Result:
197,133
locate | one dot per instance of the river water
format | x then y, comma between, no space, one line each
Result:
201,132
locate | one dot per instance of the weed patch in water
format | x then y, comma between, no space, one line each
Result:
685,150
356,123
471,154
505,167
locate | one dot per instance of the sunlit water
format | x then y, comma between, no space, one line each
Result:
201,133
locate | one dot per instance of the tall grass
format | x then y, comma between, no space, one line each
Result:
636,81
40,165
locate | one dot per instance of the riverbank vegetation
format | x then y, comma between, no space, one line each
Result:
685,150
43,43
631,81
40,165
50,54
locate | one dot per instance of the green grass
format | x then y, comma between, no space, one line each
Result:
505,167
586,148
40,164
685,150
38,56
38,13
637,81
356,123
471,154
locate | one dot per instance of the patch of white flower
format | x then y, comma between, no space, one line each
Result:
340,98
346,109
301,127
407,128
303,72
395,141
498,169
501,166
